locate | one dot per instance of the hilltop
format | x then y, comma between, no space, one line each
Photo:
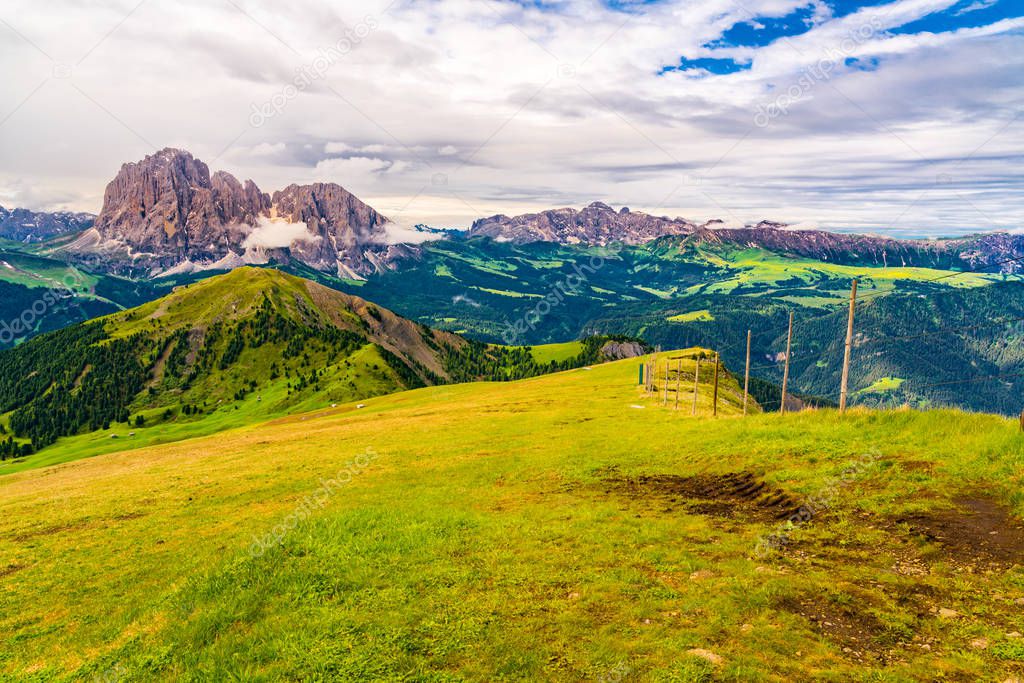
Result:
227,351
565,527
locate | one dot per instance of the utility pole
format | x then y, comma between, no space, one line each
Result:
746,376
785,372
849,347
714,410
696,381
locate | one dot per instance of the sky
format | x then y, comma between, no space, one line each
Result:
900,118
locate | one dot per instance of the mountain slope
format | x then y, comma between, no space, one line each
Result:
595,224
228,351
254,338
537,530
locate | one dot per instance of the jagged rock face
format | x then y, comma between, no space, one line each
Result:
27,226
341,225
167,213
597,224
168,207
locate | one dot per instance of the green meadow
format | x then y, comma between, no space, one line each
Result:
568,527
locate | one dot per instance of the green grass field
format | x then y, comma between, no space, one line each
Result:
547,353
567,527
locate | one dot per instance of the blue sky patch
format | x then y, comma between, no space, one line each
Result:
711,64
862,63
964,14
763,31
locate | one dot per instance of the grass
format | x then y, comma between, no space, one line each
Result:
746,268
546,353
480,532
37,272
703,315
882,385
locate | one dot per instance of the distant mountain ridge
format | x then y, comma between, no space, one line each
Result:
167,214
23,225
598,224
595,224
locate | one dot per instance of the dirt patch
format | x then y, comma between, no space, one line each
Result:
738,494
978,530
50,530
10,569
854,630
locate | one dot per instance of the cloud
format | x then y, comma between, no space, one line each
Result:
452,109
975,6
402,232
277,234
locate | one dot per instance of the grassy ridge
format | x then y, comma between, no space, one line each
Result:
515,531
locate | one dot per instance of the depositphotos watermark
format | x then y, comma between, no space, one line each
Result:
314,501
816,73
816,504
308,74
25,323
570,285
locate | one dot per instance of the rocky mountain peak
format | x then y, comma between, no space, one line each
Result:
167,212
595,224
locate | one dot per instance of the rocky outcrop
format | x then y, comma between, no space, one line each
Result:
614,350
22,225
597,224
168,214
341,226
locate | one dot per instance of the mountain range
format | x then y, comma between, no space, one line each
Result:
22,225
168,215
550,276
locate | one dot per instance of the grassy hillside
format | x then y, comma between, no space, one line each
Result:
224,352
39,294
678,292
566,528
936,350
479,286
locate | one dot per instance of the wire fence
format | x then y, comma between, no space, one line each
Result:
818,359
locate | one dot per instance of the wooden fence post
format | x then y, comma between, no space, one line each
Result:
679,379
696,382
746,377
848,348
785,373
714,409
664,395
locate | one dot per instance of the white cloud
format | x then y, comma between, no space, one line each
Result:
277,234
455,109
